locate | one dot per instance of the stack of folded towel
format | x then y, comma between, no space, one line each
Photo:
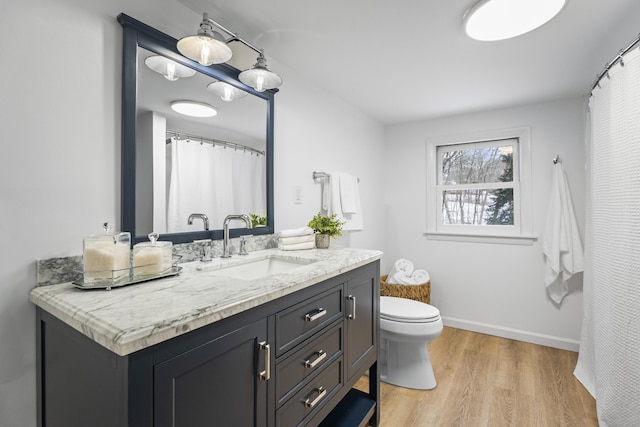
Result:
402,273
296,239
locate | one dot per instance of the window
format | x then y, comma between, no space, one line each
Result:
480,185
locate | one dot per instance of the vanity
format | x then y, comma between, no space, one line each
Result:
225,343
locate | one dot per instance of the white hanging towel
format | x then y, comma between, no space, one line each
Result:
562,247
343,199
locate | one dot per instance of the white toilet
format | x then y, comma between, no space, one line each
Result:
406,327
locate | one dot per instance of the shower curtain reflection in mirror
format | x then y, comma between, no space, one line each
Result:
213,180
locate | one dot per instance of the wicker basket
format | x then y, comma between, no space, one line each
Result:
420,293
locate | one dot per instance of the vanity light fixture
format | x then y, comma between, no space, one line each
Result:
492,20
209,47
259,77
171,70
193,108
225,91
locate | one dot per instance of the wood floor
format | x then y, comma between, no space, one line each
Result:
489,381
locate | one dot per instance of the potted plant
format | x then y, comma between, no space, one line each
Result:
258,220
325,228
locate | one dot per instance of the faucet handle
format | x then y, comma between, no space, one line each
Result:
243,247
205,249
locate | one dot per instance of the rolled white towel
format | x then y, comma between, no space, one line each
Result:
401,266
420,277
400,279
297,239
297,246
302,231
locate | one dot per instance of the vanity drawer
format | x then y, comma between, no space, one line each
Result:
311,397
313,357
300,321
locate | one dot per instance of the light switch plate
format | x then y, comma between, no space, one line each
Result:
297,195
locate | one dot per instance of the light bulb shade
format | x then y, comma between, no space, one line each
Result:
259,77
171,70
207,47
491,20
225,91
193,108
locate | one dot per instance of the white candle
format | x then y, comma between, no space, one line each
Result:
148,261
151,258
106,260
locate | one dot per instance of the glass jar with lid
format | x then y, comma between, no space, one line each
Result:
106,257
152,258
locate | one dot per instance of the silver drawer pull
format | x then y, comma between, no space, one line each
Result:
321,356
321,393
266,374
318,314
352,316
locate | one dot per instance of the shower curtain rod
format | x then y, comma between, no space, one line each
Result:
614,61
189,137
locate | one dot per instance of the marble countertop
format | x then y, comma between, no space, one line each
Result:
131,318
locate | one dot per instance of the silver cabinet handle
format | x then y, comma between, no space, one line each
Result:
321,356
321,393
266,374
318,314
352,298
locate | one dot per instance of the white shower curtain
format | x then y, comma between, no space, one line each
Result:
609,360
215,181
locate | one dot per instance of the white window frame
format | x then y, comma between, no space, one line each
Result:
522,230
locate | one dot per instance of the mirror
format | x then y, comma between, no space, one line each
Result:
175,165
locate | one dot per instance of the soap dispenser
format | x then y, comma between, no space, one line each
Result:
106,257
152,258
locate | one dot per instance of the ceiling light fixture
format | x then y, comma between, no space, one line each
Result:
492,20
171,70
225,91
209,47
193,108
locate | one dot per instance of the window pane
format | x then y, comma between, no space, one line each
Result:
477,165
478,207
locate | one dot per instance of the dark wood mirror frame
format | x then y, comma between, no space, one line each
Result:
137,34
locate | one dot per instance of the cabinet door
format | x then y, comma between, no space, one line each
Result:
361,310
216,384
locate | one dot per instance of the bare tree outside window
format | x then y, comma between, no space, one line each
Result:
476,183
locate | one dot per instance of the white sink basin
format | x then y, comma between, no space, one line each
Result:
255,269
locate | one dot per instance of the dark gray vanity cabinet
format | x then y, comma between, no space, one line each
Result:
361,324
212,381
291,361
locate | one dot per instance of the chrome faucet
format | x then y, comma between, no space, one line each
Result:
203,217
225,226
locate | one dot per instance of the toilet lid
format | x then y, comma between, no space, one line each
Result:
407,310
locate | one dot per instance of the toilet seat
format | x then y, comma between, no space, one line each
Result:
407,311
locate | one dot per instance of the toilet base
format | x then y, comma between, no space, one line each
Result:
406,364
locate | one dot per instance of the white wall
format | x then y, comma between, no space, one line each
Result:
60,162
490,288
316,132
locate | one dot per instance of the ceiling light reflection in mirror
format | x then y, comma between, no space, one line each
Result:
171,70
225,91
193,109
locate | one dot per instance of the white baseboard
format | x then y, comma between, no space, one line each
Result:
514,334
